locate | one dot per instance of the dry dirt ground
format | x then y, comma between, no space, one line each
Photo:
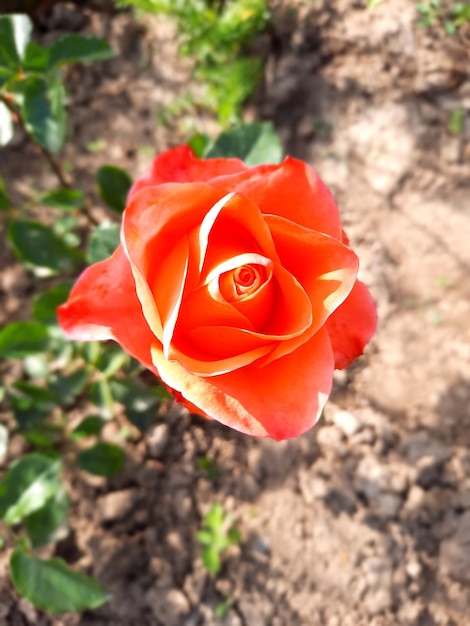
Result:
365,520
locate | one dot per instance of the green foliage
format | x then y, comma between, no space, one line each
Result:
46,523
456,122
88,427
45,304
102,459
38,245
217,35
31,80
5,203
64,199
139,402
113,186
223,608
52,586
253,143
208,467
103,240
20,339
217,535
78,48
28,484
432,12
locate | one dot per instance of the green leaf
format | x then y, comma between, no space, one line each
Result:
44,111
64,199
52,586
253,143
27,414
20,339
113,186
214,518
5,76
103,241
40,395
211,559
38,245
15,32
136,396
66,388
6,125
5,203
91,425
79,48
45,304
205,537
103,459
44,524
199,144
233,536
43,435
139,401
28,483
36,58
456,123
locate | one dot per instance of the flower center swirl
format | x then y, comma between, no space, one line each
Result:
239,278
241,282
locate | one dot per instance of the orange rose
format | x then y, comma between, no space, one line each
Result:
235,286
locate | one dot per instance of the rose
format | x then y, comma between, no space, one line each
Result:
234,285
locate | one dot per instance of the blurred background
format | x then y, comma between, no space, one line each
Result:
365,520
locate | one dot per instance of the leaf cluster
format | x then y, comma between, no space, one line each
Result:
433,11
216,535
217,34
31,86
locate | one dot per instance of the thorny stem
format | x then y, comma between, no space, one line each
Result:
54,163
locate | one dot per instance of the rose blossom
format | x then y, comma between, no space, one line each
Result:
235,285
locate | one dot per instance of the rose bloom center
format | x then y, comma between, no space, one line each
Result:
241,282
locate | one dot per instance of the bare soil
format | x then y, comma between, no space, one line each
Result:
365,520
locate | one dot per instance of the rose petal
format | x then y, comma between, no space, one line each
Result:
180,165
352,325
324,267
292,190
165,215
233,226
206,345
281,400
103,305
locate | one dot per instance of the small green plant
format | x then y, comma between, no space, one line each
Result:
217,534
224,607
217,33
208,467
432,12
456,122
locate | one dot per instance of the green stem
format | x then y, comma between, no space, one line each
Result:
54,163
